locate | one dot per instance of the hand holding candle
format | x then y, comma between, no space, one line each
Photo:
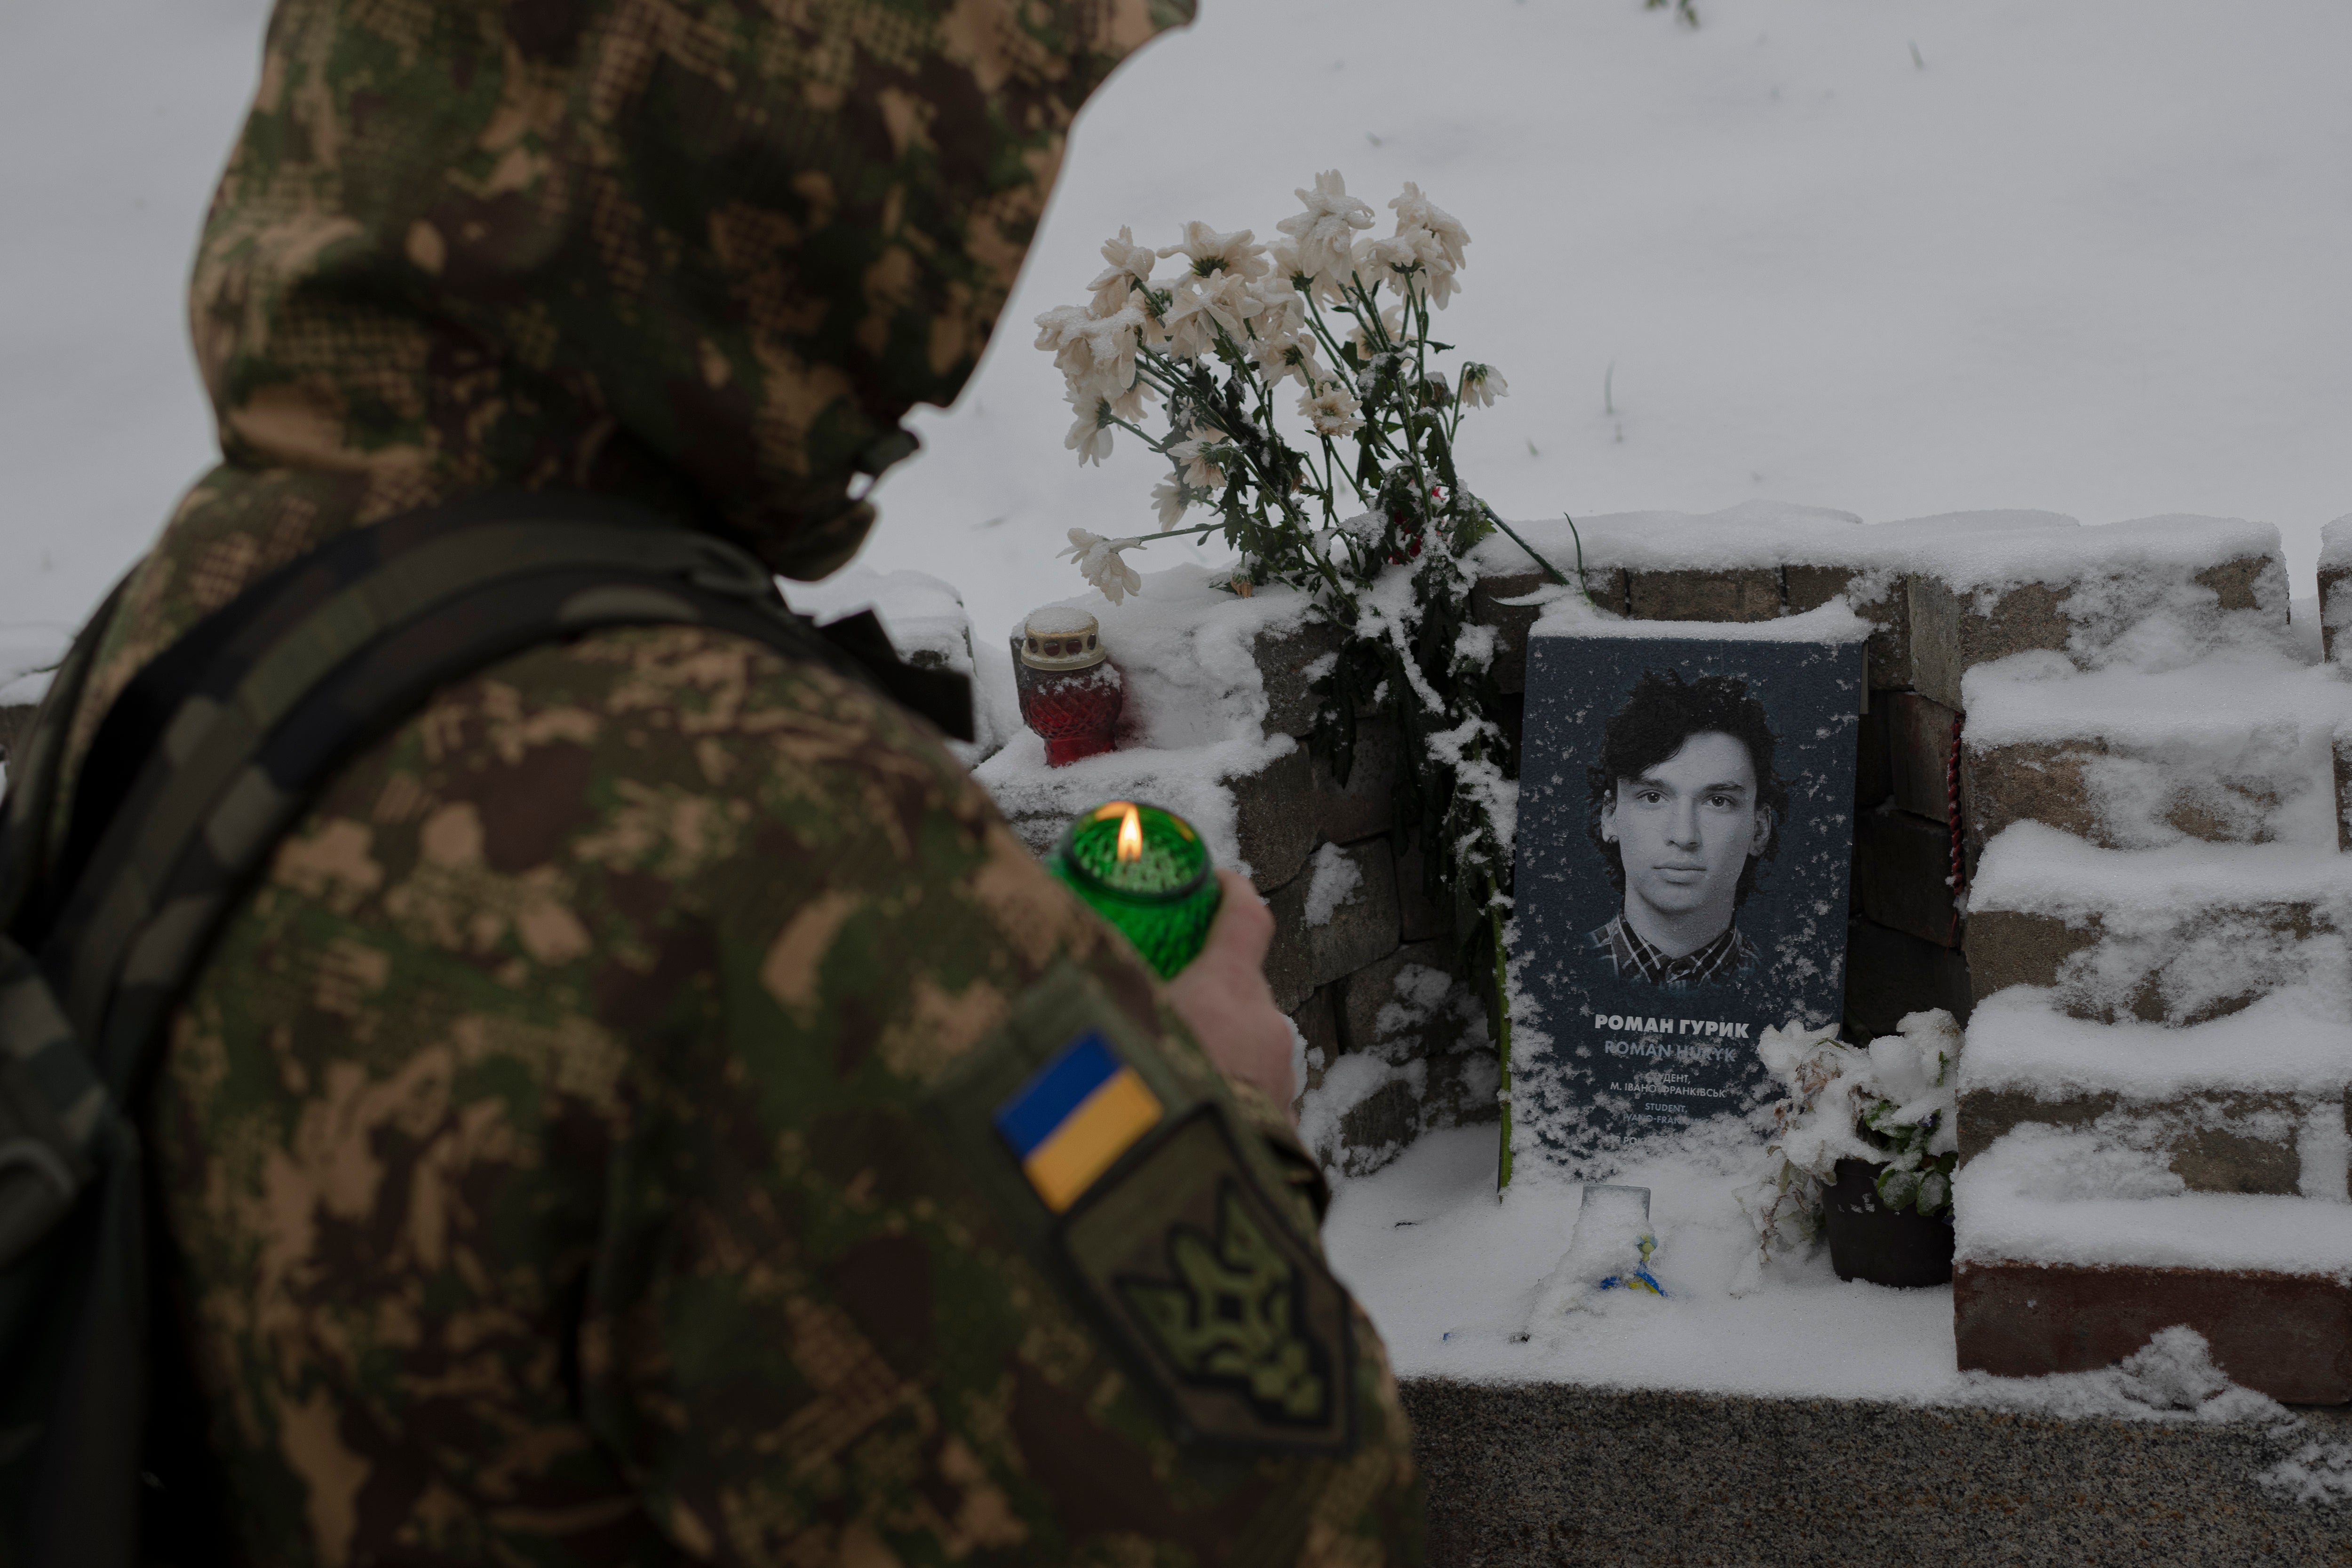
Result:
1147,873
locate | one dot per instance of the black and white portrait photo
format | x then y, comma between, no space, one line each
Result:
1684,806
1686,840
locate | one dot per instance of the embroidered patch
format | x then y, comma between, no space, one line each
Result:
1240,1324
1073,1118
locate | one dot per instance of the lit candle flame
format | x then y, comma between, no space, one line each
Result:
1131,836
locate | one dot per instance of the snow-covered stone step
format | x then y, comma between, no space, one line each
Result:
2180,934
2252,1102
2235,747
2168,587
1946,593
2071,1250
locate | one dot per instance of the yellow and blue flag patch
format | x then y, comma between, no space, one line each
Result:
1075,1117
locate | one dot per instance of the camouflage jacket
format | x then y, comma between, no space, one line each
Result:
587,1143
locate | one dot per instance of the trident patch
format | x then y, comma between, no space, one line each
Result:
1238,1322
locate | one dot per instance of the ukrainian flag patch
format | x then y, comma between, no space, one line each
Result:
1075,1117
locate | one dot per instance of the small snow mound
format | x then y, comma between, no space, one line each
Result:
2171,1378
1334,881
2174,1371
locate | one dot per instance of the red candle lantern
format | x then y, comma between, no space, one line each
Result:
1069,693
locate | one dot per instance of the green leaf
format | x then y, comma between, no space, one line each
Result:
1935,1193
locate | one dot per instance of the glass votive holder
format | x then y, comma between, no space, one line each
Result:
1069,693
1147,873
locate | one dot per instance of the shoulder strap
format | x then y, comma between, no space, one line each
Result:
200,765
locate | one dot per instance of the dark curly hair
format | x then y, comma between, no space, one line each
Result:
1663,712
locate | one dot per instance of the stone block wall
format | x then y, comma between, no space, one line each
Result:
1917,791
1364,953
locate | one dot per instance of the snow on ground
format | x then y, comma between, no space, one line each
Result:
1890,257
1450,1275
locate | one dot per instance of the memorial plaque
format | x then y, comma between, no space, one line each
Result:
1684,839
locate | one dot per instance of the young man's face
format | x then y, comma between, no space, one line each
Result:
1685,828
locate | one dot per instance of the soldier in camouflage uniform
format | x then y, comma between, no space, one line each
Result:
579,1146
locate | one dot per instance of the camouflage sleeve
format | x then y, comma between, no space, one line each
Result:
654,1108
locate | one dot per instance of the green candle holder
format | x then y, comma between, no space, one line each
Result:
1147,872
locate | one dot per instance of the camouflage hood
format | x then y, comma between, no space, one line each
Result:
706,255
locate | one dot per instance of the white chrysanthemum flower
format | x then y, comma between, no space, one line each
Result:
1093,353
1482,384
1130,268
1170,496
1098,561
1090,434
1281,312
1391,321
1198,456
1325,284
1387,259
1057,325
1209,252
1325,232
1096,354
1203,307
1439,278
1333,412
1279,361
1134,404
1415,211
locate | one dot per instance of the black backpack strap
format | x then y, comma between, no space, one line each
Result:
200,765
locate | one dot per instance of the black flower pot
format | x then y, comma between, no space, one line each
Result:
1885,1246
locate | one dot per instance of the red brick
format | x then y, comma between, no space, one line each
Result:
2286,1335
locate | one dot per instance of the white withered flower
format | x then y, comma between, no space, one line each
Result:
1096,354
1332,411
1204,306
1482,384
1209,252
1295,358
1090,436
1415,211
1198,456
1130,268
1325,232
1392,322
1100,562
1435,236
1170,498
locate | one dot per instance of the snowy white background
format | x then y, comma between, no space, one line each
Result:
1886,256
2087,256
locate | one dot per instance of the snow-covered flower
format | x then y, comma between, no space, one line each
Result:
1209,252
1333,412
1428,239
1058,332
1482,384
1130,268
1417,211
1197,456
1295,358
1100,562
1325,233
1090,436
1095,353
1203,307
1168,498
